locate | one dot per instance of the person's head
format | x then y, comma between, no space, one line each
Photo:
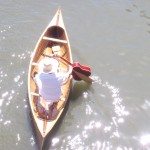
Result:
46,65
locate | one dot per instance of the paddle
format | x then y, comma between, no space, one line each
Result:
80,72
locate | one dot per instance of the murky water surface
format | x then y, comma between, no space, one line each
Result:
113,38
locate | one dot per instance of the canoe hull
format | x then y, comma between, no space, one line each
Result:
54,34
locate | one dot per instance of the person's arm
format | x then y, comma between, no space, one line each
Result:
63,76
70,70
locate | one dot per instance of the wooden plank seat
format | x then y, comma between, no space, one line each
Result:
54,39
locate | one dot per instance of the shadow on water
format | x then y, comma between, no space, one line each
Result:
78,89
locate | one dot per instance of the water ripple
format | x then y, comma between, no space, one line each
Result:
96,131
18,139
32,141
145,140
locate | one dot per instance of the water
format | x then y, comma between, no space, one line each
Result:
112,37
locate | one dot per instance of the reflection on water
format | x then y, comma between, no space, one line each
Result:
98,128
18,138
13,102
145,140
4,32
93,131
55,141
32,141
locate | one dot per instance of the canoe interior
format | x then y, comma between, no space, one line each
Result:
56,32
45,47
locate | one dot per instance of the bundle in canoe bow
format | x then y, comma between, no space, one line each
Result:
80,72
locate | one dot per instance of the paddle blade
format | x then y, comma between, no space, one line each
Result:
83,77
83,70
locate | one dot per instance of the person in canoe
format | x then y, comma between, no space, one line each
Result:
49,81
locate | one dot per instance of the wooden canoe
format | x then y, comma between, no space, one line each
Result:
54,35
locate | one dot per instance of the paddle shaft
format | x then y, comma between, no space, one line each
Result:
59,57
82,76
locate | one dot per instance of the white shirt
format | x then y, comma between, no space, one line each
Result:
49,85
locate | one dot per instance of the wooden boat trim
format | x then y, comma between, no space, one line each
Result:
55,40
